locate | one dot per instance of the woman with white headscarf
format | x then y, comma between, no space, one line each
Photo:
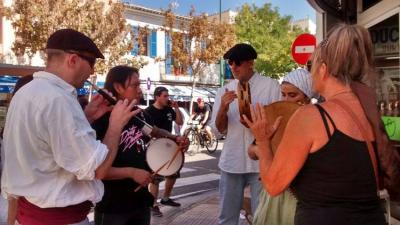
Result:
280,210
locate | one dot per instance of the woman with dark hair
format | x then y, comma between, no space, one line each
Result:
121,204
325,152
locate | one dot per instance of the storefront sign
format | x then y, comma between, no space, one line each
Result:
385,40
392,127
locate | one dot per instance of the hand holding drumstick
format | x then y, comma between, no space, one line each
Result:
153,174
183,145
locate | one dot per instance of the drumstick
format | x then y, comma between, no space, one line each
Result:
174,157
112,101
158,170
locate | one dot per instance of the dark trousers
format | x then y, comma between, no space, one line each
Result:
136,217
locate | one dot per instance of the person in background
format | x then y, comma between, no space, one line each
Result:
202,114
48,141
163,112
280,210
237,169
324,155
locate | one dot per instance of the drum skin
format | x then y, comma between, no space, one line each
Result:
273,111
159,152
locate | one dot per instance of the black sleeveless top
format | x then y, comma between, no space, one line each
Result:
336,185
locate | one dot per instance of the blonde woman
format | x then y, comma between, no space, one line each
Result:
296,87
323,154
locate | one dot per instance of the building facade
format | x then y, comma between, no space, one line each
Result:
159,68
381,18
305,24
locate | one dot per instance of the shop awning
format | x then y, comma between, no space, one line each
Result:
183,93
7,83
178,92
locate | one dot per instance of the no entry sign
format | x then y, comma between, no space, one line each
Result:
303,47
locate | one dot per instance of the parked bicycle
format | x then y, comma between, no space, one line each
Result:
199,138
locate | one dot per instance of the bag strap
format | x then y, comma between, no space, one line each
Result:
364,134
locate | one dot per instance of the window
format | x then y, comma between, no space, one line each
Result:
143,45
366,4
144,42
135,31
385,39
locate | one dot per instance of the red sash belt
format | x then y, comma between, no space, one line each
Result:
30,214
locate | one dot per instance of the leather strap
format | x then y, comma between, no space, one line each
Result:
364,134
244,99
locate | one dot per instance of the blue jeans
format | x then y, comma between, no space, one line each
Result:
231,188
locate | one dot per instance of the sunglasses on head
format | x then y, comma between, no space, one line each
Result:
237,63
90,60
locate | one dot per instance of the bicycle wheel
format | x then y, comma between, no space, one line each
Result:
194,143
212,145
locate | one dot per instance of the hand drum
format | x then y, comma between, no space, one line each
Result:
273,111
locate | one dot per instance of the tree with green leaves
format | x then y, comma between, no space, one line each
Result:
197,42
271,35
103,21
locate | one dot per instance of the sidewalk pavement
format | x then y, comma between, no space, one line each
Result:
200,209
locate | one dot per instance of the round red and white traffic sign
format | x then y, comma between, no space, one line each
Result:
303,47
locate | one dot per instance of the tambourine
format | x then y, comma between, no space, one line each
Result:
159,152
244,99
273,111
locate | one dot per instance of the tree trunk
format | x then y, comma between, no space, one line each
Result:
191,95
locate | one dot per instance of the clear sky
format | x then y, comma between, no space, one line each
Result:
298,9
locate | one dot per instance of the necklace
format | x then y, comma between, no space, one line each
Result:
340,93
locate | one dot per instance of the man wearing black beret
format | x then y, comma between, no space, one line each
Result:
237,169
53,162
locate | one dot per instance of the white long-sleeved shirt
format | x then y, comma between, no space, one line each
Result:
234,158
51,152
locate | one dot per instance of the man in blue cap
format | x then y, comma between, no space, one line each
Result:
237,169
53,161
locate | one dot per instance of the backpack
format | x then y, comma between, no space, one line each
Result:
388,157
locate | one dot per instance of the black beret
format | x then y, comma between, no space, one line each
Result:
241,52
69,39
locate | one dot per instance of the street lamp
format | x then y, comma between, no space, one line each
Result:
221,61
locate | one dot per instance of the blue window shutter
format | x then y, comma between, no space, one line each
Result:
135,49
168,59
153,44
190,71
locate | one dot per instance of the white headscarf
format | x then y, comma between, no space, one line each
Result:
300,78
